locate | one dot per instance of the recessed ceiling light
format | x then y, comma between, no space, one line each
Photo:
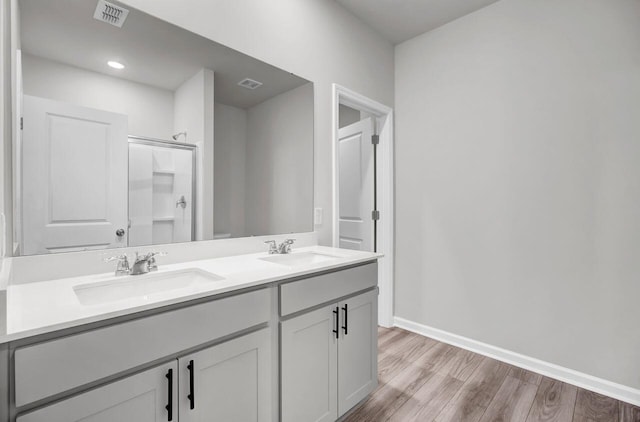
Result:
115,65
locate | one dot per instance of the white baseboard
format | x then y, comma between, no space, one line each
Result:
579,379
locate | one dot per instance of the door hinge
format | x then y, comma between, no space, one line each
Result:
375,139
21,123
375,215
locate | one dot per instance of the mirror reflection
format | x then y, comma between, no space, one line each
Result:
138,132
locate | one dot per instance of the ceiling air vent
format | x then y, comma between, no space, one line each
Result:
110,13
249,83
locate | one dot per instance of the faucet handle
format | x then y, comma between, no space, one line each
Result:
285,246
150,257
122,257
123,263
272,246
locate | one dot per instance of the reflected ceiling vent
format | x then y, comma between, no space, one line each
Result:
110,13
249,83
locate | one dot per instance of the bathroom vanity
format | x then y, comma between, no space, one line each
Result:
252,337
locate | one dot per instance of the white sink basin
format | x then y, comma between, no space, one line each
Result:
299,259
146,287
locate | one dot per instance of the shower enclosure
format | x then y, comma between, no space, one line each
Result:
162,187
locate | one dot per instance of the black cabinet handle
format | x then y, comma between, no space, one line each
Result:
337,314
192,393
346,324
169,406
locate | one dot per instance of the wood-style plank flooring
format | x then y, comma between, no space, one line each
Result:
421,379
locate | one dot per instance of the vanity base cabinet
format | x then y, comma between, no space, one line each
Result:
309,366
148,396
117,348
217,360
228,382
329,359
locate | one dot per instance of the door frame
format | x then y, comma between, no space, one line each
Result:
385,189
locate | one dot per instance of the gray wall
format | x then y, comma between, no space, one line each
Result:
315,39
518,169
230,148
150,109
279,156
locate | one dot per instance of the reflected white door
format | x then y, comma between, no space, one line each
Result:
356,186
74,177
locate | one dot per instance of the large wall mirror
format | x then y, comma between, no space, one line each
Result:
138,132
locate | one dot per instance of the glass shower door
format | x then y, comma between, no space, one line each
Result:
161,192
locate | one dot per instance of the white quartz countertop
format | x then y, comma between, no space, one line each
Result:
46,306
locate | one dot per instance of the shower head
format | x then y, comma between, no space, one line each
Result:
177,135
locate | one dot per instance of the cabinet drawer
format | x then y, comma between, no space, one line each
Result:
302,294
59,365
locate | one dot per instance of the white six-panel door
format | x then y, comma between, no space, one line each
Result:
74,177
356,186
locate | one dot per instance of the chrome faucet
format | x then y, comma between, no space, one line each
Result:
283,248
145,263
142,264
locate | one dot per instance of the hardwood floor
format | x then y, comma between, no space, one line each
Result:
421,379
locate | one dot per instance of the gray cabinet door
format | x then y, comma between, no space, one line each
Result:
231,381
139,398
309,367
357,350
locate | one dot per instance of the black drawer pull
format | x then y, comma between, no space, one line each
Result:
346,324
337,314
192,394
169,406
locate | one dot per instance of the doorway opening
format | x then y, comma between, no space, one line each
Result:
363,184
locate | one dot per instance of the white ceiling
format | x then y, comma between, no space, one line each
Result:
400,20
155,52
